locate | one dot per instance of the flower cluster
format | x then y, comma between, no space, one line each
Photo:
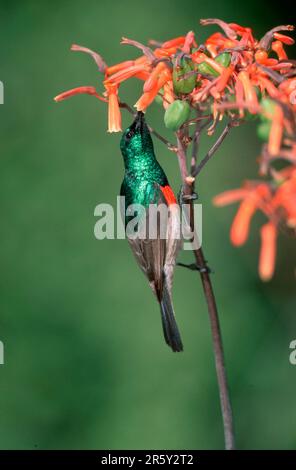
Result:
231,75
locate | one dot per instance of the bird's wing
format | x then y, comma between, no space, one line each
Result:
156,258
174,235
150,253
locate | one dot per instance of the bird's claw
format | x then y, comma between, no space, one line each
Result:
196,267
190,197
183,198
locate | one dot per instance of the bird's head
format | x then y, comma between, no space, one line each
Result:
136,140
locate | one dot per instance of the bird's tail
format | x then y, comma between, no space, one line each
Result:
169,325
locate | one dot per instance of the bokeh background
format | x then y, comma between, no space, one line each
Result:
86,366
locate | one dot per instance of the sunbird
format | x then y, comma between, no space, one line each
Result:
145,183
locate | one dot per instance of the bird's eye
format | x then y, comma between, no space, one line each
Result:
129,135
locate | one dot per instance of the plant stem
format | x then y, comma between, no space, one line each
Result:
212,309
212,150
218,350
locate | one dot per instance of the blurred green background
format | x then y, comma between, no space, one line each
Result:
85,362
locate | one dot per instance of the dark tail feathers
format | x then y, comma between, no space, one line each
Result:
169,325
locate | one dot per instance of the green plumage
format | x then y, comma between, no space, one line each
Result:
142,170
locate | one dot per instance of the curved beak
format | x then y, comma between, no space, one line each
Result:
139,121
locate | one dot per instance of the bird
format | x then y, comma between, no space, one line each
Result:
145,184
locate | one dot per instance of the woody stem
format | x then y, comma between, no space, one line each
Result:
212,310
213,149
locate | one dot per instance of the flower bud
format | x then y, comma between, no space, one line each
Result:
184,84
268,107
224,59
206,69
176,114
263,130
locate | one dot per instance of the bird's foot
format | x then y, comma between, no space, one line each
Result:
196,267
183,198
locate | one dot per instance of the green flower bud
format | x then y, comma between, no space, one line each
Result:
176,114
224,59
206,69
184,85
263,130
268,107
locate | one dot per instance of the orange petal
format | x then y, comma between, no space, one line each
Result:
188,42
168,94
224,78
179,41
240,226
213,49
147,98
284,39
114,115
228,197
143,75
249,91
117,67
268,251
278,48
269,87
160,52
89,90
124,74
261,56
153,77
215,65
276,131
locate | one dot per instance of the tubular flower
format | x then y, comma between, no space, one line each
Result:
114,115
268,251
276,200
254,197
157,81
87,90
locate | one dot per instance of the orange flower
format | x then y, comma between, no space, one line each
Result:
176,42
222,81
253,198
168,94
268,251
285,198
152,80
249,92
276,132
125,73
278,48
284,39
239,231
189,42
121,66
88,90
114,115
228,197
148,96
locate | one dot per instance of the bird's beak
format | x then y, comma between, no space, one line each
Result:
139,121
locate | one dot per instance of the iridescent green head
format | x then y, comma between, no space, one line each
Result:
136,142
